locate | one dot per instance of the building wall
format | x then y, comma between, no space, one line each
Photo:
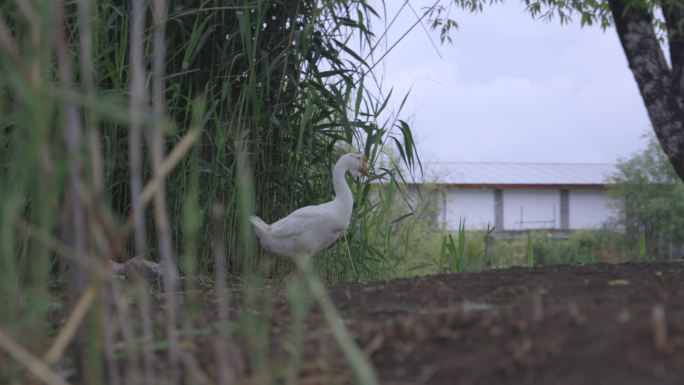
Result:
476,206
531,209
541,209
590,209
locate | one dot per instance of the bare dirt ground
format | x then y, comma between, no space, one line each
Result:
562,325
558,325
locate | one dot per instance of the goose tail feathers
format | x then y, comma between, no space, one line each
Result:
260,226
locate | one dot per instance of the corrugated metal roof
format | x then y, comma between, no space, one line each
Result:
458,173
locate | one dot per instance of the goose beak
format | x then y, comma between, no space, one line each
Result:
364,170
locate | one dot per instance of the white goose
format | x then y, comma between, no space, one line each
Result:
312,228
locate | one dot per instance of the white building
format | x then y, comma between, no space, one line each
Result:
522,196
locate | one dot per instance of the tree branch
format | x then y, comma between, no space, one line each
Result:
674,17
659,92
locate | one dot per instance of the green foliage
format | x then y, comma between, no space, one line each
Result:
542,248
592,12
470,252
455,253
588,12
650,198
529,251
285,96
417,244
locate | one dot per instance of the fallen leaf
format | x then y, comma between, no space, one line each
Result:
618,282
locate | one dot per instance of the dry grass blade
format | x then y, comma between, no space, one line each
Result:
365,373
87,262
169,164
37,367
68,331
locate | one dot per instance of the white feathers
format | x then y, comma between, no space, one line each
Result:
310,229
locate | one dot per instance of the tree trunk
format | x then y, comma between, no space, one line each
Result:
660,86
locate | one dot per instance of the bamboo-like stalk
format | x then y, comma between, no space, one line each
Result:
161,218
226,374
137,103
146,315
85,35
76,222
72,135
96,204
113,375
122,312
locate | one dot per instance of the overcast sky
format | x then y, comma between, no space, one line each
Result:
513,89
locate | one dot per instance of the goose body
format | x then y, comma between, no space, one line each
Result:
312,228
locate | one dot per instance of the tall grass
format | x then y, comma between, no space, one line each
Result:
121,127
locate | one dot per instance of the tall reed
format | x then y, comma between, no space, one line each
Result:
122,126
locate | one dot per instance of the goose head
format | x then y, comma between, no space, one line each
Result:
354,163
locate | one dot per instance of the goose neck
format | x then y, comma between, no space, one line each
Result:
343,194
